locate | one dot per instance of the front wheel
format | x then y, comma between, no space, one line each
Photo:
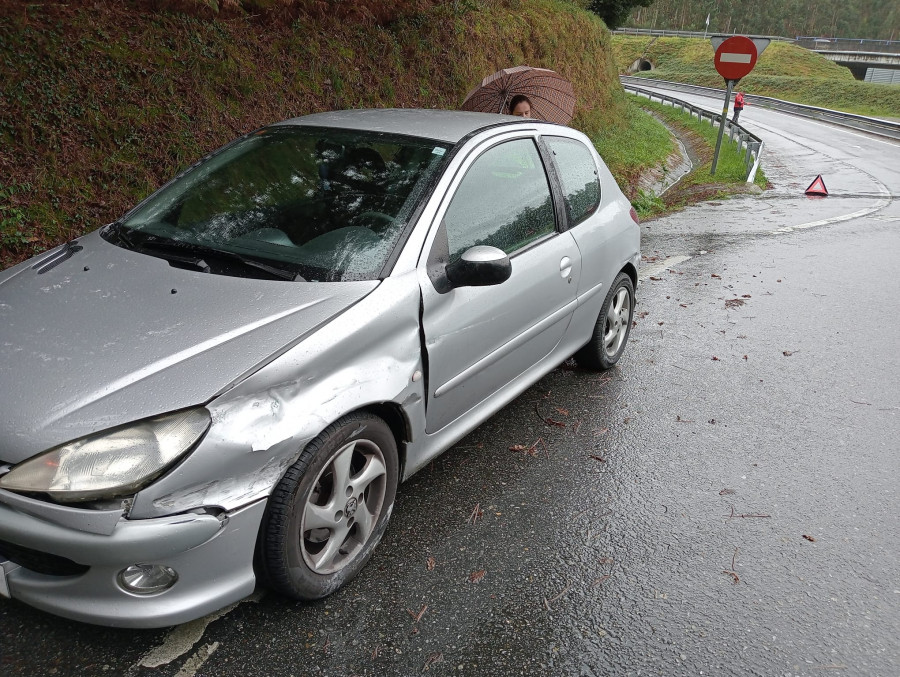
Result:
330,509
612,328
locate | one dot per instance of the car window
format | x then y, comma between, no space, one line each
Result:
329,204
578,174
503,201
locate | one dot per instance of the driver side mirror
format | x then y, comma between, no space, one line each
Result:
479,266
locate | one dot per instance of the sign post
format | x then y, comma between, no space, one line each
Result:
735,57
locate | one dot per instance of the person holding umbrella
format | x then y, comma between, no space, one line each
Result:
520,106
544,93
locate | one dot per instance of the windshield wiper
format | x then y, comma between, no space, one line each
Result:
180,252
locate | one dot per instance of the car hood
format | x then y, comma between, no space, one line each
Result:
110,336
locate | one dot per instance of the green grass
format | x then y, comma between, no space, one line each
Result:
784,71
637,142
731,172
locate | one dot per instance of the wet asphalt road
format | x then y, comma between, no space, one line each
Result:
724,502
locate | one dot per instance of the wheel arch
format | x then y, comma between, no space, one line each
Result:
397,420
631,271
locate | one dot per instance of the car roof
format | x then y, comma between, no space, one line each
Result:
440,125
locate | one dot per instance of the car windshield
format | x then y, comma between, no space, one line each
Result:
321,204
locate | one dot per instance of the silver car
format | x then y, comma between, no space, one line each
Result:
226,385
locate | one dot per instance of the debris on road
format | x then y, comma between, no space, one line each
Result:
476,513
476,576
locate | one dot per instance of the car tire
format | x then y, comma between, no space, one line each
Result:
330,509
611,329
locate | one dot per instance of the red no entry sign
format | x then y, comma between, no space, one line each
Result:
736,57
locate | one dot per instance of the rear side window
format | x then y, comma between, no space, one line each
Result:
578,175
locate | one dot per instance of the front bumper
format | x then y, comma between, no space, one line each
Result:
213,556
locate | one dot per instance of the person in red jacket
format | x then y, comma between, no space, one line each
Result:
738,106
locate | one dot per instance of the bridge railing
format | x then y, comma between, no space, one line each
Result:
849,45
687,34
748,144
861,122
812,43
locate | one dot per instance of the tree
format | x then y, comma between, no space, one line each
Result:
615,12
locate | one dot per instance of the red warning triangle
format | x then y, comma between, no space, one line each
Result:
817,187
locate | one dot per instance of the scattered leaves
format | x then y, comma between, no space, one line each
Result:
655,279
746,296
733,576
476,513
745,357
418,616
734,303
598,581
547,419
809,538
598,458
436,657
788,353
726,492
429,563
683,305
715,359
476,576
562,412
606,560
678,419
716,276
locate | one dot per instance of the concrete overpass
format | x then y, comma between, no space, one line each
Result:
860,62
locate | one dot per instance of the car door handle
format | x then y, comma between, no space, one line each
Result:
565,267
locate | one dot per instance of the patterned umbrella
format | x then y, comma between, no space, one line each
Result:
552,97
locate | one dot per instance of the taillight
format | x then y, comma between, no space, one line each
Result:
634,216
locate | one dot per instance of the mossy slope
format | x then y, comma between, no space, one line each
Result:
102,104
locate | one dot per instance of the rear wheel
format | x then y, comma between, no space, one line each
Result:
330,509
612,328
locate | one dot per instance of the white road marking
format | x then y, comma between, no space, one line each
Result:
656,268
846,217
182,638
833,126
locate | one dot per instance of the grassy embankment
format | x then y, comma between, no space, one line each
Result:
103,102
699,184
783,71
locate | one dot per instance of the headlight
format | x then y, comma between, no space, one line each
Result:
112,463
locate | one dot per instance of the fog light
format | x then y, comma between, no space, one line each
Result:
146,579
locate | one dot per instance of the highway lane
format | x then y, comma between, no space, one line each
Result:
724,502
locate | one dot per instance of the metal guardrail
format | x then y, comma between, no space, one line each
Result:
662,33
849,45
877,126
816,44
753,144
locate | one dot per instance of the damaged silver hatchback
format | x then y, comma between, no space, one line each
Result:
226,385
